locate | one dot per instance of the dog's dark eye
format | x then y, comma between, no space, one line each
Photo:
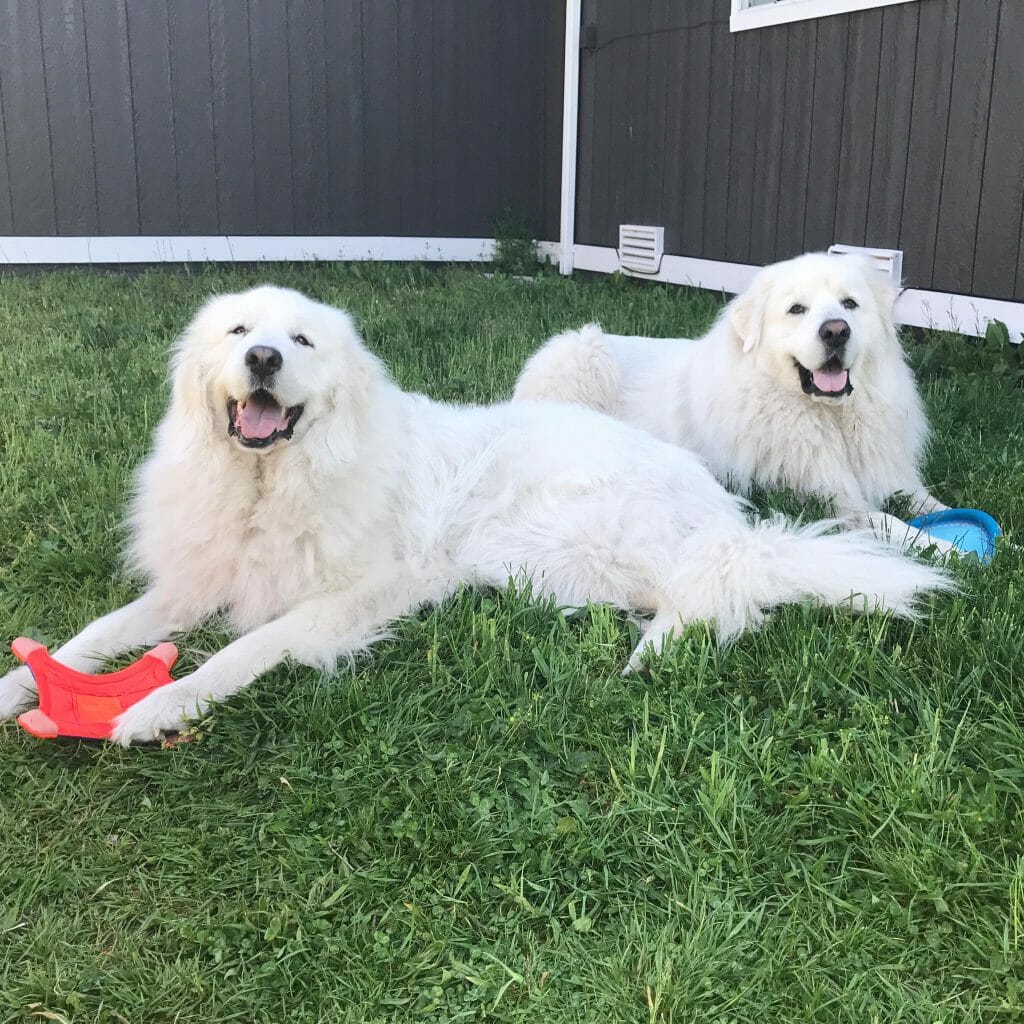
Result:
301,339
796,309
850,303
240,329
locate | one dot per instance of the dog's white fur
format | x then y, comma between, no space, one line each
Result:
384,500
735,397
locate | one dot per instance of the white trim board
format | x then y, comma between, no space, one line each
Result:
15,249
570,134
711,274
964,314
782,12
549,252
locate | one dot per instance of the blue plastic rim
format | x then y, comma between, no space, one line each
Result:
968,529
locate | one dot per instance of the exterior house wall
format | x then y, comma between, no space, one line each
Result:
305,117
900,127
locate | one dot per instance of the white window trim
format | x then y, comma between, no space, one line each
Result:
783,11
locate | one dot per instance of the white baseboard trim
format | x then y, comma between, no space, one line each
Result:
944,311
711,274
965,314
549,252
239,249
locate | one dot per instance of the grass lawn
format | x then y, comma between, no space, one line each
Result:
822,823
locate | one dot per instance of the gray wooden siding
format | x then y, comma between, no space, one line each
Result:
333,117
900,127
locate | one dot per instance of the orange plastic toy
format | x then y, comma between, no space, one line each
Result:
78,704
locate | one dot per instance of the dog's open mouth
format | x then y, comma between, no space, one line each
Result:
260,420
830,380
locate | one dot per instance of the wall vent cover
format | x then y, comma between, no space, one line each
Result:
887,261
641,248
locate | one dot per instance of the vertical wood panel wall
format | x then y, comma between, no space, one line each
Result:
900,127
339,117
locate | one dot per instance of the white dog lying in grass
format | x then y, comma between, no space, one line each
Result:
801,383
293,485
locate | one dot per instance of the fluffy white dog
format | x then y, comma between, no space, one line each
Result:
801,383
294,486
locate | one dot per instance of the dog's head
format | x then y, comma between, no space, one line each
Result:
262,366
813,322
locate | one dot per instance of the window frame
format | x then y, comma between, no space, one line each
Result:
744,17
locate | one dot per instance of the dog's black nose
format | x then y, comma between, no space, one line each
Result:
835,333
263,361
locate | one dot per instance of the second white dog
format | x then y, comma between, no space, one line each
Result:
801,383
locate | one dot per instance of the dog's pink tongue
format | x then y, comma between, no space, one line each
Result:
259,419
830,380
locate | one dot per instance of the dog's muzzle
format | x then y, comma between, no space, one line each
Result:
830,380
259,420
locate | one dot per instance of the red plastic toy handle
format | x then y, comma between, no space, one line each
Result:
73,703
165,652
23,647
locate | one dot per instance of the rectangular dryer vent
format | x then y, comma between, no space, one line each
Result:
888,261
641,248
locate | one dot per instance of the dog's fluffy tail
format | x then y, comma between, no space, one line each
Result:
733,576
576,367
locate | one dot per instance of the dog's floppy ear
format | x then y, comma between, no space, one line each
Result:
189,382
746,313
354,393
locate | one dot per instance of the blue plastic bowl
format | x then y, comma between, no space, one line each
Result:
968,529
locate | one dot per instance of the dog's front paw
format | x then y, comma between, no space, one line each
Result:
17,692
165,710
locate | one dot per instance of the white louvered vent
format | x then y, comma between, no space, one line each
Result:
641,248
887,261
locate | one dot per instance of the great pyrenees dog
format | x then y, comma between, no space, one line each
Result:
801,383
295,487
